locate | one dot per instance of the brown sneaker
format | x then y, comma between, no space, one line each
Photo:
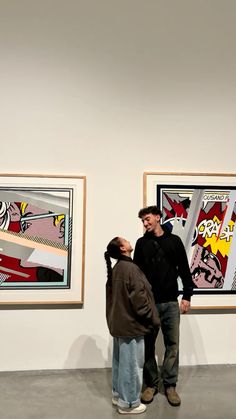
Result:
148,395
172,396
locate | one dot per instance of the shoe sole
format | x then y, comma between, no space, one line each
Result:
174,404
123,412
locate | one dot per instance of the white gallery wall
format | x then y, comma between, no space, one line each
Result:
110,89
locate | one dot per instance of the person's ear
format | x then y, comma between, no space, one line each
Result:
61,228
122,249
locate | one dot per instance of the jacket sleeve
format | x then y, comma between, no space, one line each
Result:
141,298
184,271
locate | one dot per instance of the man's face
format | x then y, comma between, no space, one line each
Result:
150,221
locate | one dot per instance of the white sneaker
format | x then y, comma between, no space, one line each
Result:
133,410
114,401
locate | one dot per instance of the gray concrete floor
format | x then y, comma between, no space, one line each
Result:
207,392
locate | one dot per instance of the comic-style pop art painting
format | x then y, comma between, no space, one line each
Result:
34,237
202,211
38,227
207,235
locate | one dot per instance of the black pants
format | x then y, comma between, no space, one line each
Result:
170,318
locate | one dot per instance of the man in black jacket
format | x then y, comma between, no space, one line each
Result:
161,256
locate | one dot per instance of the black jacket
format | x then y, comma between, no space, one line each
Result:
130,305
163,259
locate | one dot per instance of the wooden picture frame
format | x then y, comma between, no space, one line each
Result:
42,239
200,208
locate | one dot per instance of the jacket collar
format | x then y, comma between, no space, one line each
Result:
151,235
127,258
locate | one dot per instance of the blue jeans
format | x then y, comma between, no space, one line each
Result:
170,318
127,370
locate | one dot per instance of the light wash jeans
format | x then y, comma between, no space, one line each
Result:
127,370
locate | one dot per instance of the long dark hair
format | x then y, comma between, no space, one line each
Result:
113,251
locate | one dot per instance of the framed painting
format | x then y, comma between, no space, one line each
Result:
200,208
42,239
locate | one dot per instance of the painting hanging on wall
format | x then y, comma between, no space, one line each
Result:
42,239
200,208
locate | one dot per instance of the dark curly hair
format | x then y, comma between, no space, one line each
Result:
153,209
